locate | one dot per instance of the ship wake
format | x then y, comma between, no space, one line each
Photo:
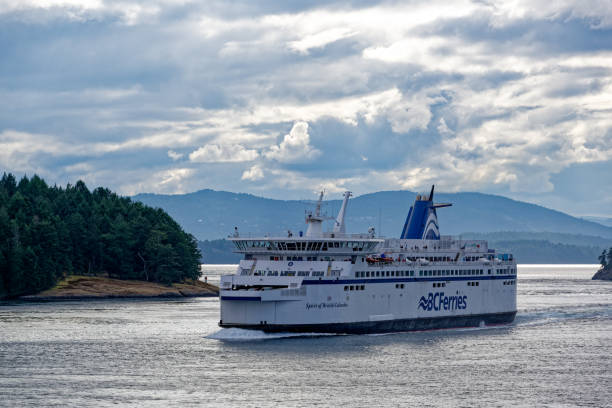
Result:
236,334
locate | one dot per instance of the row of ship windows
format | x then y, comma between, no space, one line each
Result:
378,274
284,273
435,285
354,287
305,245
308,258
451,272
374,274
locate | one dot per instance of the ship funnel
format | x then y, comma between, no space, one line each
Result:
422,220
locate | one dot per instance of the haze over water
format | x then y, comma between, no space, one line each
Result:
171,353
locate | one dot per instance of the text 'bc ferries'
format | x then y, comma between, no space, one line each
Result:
334,282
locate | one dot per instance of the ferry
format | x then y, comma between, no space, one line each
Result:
335,282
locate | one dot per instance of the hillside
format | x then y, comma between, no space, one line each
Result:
48,233
209,214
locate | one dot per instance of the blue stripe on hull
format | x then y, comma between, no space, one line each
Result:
385,326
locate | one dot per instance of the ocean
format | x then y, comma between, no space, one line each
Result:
161,353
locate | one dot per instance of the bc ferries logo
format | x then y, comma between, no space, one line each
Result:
438,301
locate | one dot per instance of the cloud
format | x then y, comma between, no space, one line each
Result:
295,146
174,155
320,39
495,96
253,174
213,153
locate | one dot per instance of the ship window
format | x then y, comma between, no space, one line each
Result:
352,287
345,288
377,273
367,274
392,273
362,287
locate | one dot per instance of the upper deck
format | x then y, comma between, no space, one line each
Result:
328,243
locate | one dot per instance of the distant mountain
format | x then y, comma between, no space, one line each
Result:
607,221
546,247
209,214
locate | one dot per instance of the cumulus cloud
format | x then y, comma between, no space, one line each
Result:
254,173
213,153
295,146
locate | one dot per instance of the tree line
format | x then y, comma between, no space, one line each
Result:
48,232
605,259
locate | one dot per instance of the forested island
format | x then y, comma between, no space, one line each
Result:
50,233
605,259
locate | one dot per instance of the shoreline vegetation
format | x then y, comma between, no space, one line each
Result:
49,234
605,273
78,287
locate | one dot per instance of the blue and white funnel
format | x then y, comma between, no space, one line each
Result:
422,221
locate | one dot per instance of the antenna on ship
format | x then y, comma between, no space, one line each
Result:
315,221
339,227
318,208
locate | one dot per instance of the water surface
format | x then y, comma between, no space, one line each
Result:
168,353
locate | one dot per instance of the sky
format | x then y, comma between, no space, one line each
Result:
283,98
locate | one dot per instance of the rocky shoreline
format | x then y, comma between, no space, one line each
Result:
93,287
603,274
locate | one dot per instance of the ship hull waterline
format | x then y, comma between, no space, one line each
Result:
385,326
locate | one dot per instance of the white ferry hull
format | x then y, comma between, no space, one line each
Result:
383,305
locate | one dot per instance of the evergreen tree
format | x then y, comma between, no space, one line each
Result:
603,259
48,232
609,258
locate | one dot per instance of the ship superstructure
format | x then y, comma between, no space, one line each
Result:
334,282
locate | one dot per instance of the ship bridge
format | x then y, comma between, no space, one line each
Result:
326,243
